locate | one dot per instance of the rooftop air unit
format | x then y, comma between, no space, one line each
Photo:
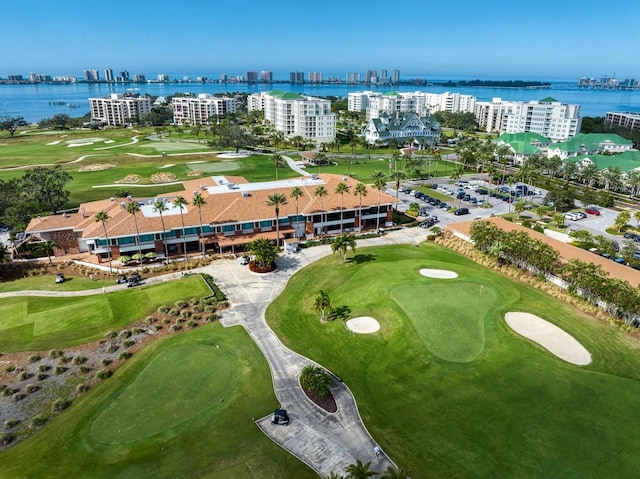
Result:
129,197
112,199
203,187
245,194
123,205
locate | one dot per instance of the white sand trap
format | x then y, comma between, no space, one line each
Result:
109,141
549,336
53,142
438,273
233,155
167,166
363,325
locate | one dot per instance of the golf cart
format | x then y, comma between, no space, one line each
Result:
280,417
60,278
134,280
121,279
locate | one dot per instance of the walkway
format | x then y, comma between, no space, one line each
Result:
326,442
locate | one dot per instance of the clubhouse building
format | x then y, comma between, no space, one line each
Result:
235,213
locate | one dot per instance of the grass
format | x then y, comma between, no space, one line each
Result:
182,407
47,283
41,323
447,388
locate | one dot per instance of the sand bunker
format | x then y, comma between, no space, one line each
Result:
233,155
549,336
167,166
363,325
53,142
438,273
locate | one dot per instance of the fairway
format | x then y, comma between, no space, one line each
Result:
447,388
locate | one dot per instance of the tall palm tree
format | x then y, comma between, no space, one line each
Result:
198,201
159,206
4,252
276,200
181,203
296,193
360,190
569,169
320,157
277,159
321,192
398,176
46,247
343,243
633,182
379,185
359,470
321,303
102,217
612,177
341,189
132,208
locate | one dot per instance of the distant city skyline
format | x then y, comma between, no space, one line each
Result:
494,39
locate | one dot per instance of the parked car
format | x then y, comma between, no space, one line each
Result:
280,416
572,216
461,211
60,278
592,211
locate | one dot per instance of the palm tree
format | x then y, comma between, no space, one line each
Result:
276,200
589,174
199,201
341,189
360,191
569,169
636,216
4,252
322,303
132,208
296,193
320,157
612,177
321,192
398,176
277,159
181,203
633,182
379,185
359,470
264,252
102,217
393,473
342,243
46,247
159,206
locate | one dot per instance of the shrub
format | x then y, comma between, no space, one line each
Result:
125,355
137,331
194,301
210,308
111,334
64,359
59,405
198,309
43,367
39,421
526,224
3,387
23,376
166,321
151,319
17,396
538,228
163,309
128,343
10,368
175,327
174,312
192,324
59,370
78,360
5,438
315,379
196,317
31,388
10,423
185,314
158,327
7,391
82,388
33,359
106,361
55,354
84,369
180,304
113,348
125,333
103,374
211,317
41,376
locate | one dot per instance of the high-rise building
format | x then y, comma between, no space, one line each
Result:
14,78
266,76
251,77
395,79
296,115
91,75
124,76
197,111
383,73
223,77
108,75
353,77
370,76
296,77
118,110
139,78
315,77
162,77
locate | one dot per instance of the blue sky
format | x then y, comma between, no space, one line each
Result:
491,39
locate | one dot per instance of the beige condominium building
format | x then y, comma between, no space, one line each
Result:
118,110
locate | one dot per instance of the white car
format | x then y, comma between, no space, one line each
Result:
572,216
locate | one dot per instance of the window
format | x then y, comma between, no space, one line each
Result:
247,226
127,240
144,238
228,228
266,224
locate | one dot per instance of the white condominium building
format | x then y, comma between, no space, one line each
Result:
423,103
296,115
548,117
198,110
117,109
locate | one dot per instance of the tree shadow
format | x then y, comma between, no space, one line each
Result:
340,312
363,258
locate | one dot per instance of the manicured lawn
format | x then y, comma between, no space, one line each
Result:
447,388
41,323
48,283
182,407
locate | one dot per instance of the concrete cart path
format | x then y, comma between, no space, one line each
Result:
325,441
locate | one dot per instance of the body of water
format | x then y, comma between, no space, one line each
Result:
37,101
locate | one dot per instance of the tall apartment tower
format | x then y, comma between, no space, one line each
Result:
383,73
353,77
396,77
296,77
370,75
91,75
266,77
108,75
251,77
124,76
315,77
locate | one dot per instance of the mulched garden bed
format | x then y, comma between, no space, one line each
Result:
328,402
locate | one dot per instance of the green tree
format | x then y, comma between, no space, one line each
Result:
342,243
198,201
276,200
316,380
398,176
359,470
46,186
132,208
542,210
341,189
4,253
558,219
636,216
12,123
519,207
360,191
264,252
181,203
621,220
321,303
45,248
278,160
320,157
102,217
296,193
379,184
321,192
159,206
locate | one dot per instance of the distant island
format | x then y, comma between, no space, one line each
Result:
495,84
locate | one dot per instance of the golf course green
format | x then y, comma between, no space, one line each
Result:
447,388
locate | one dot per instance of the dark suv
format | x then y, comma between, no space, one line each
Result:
461,211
